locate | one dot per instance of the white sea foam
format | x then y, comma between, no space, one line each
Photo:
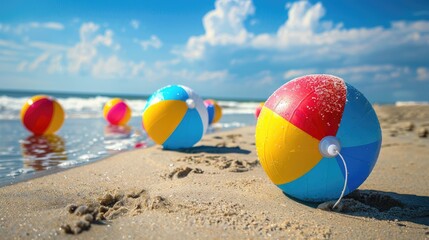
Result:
76,107
410,103
234,107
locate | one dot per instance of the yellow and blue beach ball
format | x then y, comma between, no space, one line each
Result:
317,137
175,117
214,110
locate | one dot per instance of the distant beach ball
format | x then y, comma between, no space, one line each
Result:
214,110
306,126
258,110
117,112
175,117
42,115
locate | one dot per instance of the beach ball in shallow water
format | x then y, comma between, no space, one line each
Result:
117,112
214,110
175,117
42,115
302,126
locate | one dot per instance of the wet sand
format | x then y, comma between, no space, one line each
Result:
218,190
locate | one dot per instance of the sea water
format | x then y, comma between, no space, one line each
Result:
85,136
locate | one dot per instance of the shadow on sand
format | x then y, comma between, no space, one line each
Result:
385,206
213,149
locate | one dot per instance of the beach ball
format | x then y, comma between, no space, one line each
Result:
117,112
175,117
304,129
42,115
258,110
214,110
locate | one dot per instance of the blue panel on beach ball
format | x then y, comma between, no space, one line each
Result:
189,132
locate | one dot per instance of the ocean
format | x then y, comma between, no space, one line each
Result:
85,135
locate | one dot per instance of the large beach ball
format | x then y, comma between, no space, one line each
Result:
214,110
306,126
117,112
42,115
175,117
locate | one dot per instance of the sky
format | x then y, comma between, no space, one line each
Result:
224,48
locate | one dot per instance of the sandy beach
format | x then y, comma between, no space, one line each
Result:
218,190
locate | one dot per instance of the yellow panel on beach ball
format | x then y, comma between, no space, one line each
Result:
159,114
57,119
285,151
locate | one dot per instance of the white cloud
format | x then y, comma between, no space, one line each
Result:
75,59
162,71
22,66
211,76
302,22
422,74
372,72
168,63
135,24
109,68
87,56
80,55
304,29
152,42
253,22
105,39
117,47
262,78
55,65
46,46
10,44
47,25
83,53
293,73
39,60
137,68
378,73
24,27
5,27
9,56
223,26
113,67
303,34
193,76
360,69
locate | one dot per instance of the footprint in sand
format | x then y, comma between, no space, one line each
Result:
220,162
110,206
182,172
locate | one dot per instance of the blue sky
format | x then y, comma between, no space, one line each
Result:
223,48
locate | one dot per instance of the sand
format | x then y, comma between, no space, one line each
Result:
218,190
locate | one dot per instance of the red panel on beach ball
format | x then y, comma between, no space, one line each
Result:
42,115
258,110
314,105
117,112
